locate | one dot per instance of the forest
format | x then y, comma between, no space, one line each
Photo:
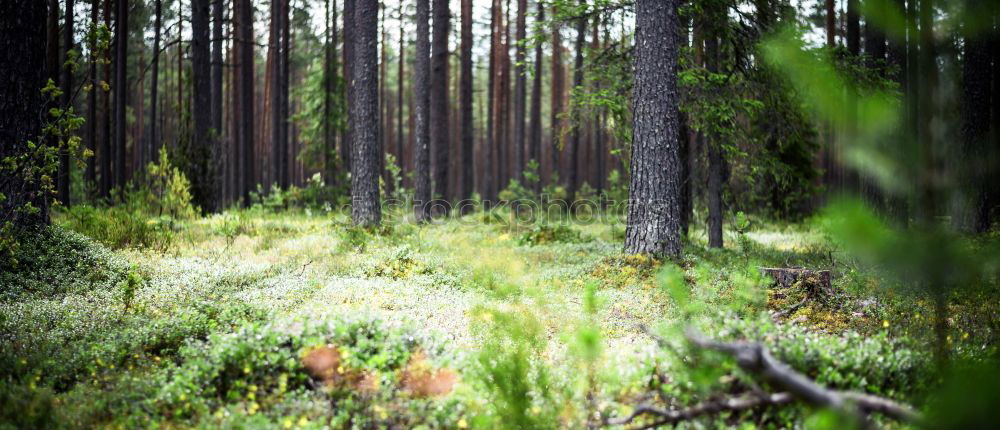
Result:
499,214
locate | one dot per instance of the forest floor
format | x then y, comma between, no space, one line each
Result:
257,319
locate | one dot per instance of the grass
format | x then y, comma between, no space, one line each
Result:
427,322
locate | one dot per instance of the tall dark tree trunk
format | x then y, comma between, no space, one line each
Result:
465,101
572,174
421,93
853,27
22,37
285,176
831,22
400,79
67,101
520,91
489,161
365,205
278,148
439,99
217,97
972,209
200,155
654,202
92,106
329,78
557,91
105,154
347,139
245,41
716,158
153,147
535,145
120,89
599,152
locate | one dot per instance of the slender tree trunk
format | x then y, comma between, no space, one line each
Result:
503,140
572,174
67,102
22,37
654,202
400,79
245,38
716,160
439,99
599,151
274,52
853,27
489,168
120,89
520,91
329,138
535,145
286,161
421,91
557,90
346,139
465,102
154,90
365,205
106,155
971,212
217,97
92,105
383,109
831,22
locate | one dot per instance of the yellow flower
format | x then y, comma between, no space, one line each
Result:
303,421
885,323
462,424
288,423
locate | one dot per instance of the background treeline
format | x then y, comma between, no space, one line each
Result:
243,95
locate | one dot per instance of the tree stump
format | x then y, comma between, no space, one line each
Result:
817,280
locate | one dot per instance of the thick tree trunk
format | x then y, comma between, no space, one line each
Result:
654,203
67,101
421,91
22,37
439,99
853,27
831,22
971,212
716,160
200,156
217,39
465,101
120,90
245,38
365,205
535,144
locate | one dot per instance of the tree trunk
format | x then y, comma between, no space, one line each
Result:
972,210
274,53
520,91
200,155
535,145
153,148
67,101
439,99
572,174
831,23
217,96
120,90
329,76
365,204
489,168
654,203
22,37
853,27
421,91
92,106
347,139
245,38
716,158
105,155
557,90
400,79
465,101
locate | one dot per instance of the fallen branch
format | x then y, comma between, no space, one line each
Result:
754,358
710,407
791,309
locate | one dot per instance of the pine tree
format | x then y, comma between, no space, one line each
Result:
465,101
440,144
365,205
421,94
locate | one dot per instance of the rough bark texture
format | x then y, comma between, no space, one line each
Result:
22,36
217,48
67,101
557,91
488,167
716,160
520,92
330,76
365,205
465,101
105,154
200,156
439,99
153,147
535,144
120,90
400,79
421,91
245,41
654,201
92,106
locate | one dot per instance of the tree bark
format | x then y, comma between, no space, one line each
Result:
439,99
217,96
972,209
520,91
120,90
489,168
557,91
153,147
421,91
853,28
535,145
200,156
105,154
329,77
67,101
572,174
400,79
92,106
654,203
716,158
365,204
347,139
22,37
465,101
245,41
831,23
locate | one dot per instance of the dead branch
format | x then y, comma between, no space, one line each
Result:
709,407
755,359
